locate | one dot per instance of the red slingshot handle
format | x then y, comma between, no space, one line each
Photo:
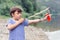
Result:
48,17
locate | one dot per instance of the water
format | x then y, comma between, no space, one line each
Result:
55,35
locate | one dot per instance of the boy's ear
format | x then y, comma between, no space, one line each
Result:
12,14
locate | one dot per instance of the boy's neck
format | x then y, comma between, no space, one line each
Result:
15,19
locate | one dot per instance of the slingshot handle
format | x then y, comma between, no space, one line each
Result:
48,17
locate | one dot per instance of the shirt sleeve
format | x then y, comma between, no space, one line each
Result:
9,22
26,22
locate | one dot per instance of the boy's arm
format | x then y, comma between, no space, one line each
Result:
37,20
12,26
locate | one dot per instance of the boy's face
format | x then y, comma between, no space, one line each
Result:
17,15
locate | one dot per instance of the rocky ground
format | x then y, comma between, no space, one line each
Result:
31,33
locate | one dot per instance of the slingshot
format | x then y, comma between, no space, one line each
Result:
47,14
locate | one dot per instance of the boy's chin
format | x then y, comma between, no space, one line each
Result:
18,18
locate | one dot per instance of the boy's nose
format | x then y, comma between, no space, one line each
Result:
20,14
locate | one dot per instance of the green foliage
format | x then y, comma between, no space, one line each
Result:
29,6
25,15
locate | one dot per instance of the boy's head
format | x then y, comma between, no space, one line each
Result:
16,12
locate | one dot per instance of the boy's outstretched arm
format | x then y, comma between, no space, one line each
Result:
37,20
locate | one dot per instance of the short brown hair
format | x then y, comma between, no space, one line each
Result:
13,9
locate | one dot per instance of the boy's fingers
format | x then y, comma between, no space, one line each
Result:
48,17
21,20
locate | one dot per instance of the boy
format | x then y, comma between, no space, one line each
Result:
16,24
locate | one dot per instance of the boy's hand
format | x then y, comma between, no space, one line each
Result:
47,17
21,20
